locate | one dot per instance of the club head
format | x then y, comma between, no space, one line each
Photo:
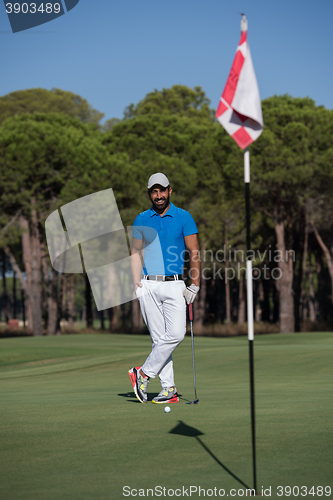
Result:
193,402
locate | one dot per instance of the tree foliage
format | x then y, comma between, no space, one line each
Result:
48,101
179,99
51,157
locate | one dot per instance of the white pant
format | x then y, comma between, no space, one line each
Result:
163,309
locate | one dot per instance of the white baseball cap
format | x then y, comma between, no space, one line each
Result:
158,178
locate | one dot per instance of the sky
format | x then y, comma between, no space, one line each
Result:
113,53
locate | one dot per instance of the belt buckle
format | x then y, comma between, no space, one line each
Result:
160,277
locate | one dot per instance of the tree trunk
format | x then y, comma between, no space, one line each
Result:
32,265
110,315
29,313
89,317
241,304
115,319
276,305
63,284
312,312
304,260
321,304
285,283
23,306
70,299
297,284
101,315
53,324
327,255
51,294
14,297
4,288
255,293
227,286
24,288
36,281
266,308
260,301
26,249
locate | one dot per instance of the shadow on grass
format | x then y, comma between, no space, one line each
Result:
130,394
183,429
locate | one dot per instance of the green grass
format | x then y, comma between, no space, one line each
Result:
71,428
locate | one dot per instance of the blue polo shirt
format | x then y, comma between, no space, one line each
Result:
164,246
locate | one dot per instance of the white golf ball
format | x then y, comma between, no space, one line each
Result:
167,409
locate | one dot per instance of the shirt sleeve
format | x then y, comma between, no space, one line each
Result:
137,231
189,225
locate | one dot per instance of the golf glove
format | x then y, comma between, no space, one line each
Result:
190,293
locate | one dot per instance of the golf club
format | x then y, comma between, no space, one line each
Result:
190,311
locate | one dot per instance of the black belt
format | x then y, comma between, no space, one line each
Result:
160,277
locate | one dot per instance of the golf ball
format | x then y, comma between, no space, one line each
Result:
167,409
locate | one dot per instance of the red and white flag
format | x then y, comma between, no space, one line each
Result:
239,110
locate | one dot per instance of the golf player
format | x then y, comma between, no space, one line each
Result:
159,239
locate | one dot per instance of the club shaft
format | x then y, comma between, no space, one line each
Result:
195,387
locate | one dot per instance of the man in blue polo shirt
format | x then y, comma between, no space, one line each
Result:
159,240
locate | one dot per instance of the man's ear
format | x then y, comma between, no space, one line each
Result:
170,191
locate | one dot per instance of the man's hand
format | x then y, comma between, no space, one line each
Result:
190,293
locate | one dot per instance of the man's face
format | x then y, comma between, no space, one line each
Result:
160,197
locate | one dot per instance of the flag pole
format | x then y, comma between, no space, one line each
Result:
250,307
239,112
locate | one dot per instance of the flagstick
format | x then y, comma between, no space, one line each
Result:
250,306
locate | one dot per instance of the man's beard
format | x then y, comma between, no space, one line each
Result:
160,208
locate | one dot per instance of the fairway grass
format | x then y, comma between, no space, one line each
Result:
72,429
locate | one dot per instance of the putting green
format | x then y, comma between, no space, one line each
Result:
71,427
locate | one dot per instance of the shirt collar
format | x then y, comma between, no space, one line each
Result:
170,212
